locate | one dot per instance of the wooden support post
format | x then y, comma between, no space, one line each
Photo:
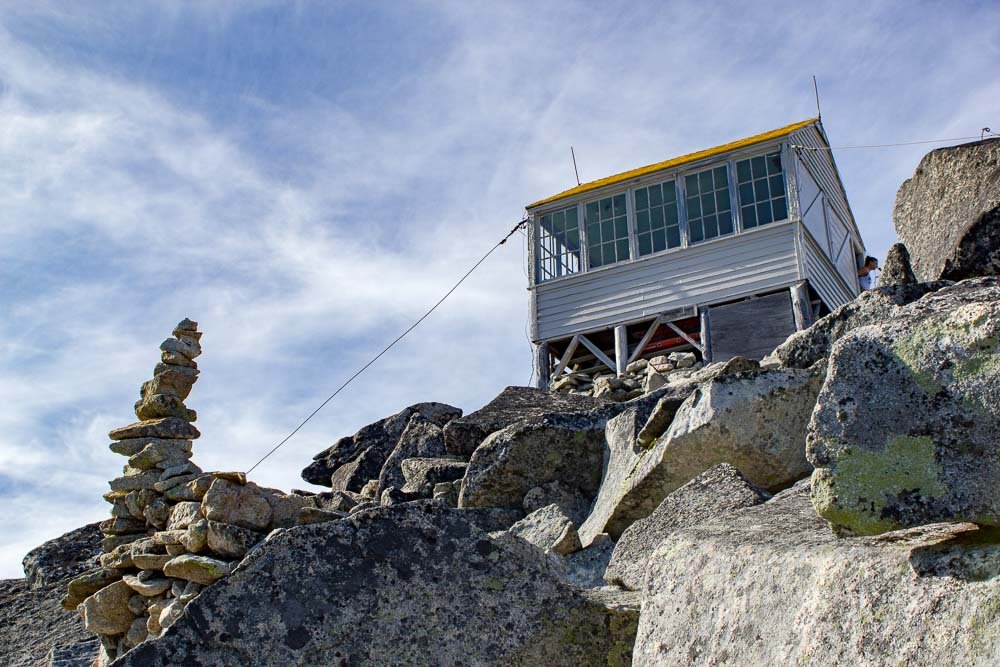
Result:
621,349
691,341
567,357
800,305
597,352
645,340
706,336
543,366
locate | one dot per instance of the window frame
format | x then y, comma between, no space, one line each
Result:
678,175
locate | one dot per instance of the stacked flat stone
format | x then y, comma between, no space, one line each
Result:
641,377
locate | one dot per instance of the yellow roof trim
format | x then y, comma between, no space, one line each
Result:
676,162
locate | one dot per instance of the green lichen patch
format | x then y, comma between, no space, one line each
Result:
857,491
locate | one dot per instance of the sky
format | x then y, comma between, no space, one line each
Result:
305,179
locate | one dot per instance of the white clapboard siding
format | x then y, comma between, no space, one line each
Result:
749,263
823,276
819,163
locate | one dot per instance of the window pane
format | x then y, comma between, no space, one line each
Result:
656,217
725,223
743,170
705,181
696,232
694,207
645,244
570,217
691,184
669,192
749,217
758,168
746,193
558,244
720,177
619,202
722,200
780,209
673,237
777,185
659,241
774,164
763,213
655,196
760,190
594,233
641,199
623,251
621,228
593,212
708,203
711,227
670,213
642,221
607,230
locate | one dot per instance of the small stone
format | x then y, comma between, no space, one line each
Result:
236,477
200,569
445,492
193,490
897,269
149,587
285,508
168,537
682,359
137,632
157,513
87,584
154,610
183,514
370,489
171,379
186,327
188,348
362,506
549,529
118,558
177,359
137,604
231,541
132,446
177,587
112,542
637,366
338,501
121,526
106,611
196,537
144,480
157,406
243,506
176,549
176,480
161,454
166,428
171,612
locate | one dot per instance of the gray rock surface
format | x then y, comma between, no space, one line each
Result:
415,584
64,557
573,503
717,491
516,459
549,529
420,438
804,348
514,404
772,585
421,474
907,429
368,449
896,269
75,654
754,420
948,213
587,568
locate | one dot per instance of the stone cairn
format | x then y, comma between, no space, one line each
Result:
174,529
641,377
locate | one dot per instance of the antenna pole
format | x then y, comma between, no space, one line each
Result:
819,114
571,152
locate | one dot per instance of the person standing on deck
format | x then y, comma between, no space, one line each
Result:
868,274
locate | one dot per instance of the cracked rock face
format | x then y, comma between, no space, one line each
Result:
409,584
948,213
907,427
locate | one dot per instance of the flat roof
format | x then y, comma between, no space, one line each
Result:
676,162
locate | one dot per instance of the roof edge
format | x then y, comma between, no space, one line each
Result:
675,162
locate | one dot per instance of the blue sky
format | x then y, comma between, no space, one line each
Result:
304,179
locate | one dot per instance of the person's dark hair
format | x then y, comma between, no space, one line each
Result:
869,259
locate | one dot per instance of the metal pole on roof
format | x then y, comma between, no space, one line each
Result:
819,114
571,152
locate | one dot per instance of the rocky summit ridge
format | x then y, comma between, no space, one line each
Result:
835,503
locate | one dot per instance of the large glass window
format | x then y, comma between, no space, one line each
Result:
709,213
607,231
761,185
558,244
657,224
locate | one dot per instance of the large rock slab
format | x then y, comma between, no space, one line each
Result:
907,427
414,584
804,348
421,474
166,428
718,490
549,529
510,462
514,404
64,557
755,420
369,448
948,213
772,585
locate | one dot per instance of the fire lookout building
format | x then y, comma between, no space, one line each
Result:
723,252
